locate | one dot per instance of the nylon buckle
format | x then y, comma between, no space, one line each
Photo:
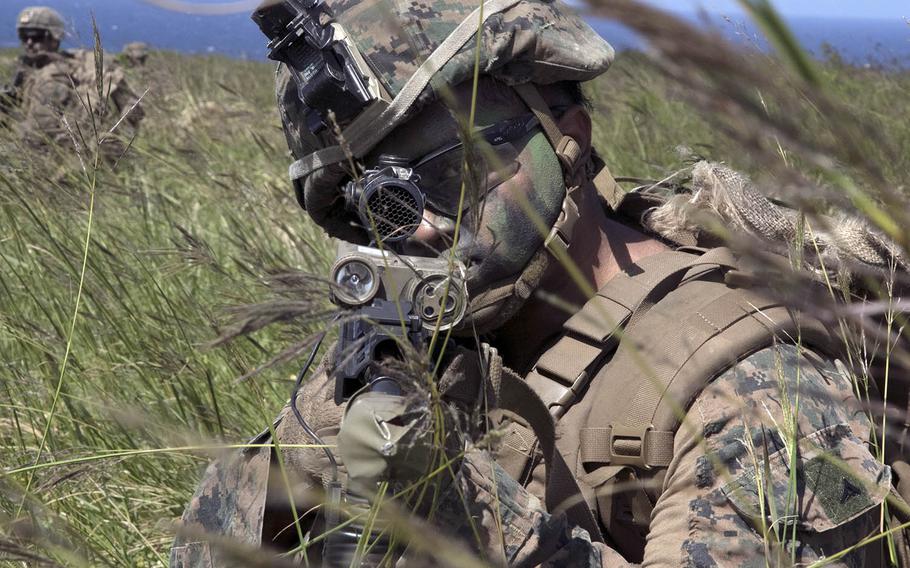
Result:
560,237
568,151
558,408
628,434
556,242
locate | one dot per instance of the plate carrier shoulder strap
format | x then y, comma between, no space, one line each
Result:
610,351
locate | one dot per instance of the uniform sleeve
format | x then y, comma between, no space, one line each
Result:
241,500
731,482
507,525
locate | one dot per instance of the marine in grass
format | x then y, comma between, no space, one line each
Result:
611,398
135,54
53,99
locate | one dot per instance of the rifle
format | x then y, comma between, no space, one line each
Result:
391,304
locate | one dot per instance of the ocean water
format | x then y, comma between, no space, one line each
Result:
121,21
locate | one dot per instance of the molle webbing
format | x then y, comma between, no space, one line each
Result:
658,371
670,323
563,493
567,368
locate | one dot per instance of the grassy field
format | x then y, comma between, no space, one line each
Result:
118,369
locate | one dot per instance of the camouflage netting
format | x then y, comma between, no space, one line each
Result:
842,243
418,49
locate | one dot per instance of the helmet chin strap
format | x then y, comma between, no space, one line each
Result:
492,308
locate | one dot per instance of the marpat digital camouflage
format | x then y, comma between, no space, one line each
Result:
752,479
707,513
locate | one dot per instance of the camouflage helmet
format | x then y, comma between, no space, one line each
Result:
136,52
415,49
42,18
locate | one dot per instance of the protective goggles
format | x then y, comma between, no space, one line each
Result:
35,35
493,160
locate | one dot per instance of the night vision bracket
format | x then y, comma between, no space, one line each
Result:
328,69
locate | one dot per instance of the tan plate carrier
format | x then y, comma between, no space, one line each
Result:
643,377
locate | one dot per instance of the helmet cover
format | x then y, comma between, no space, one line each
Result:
42,18
522,41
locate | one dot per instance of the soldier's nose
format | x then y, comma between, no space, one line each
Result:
433,236
434,228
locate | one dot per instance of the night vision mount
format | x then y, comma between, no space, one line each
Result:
328,69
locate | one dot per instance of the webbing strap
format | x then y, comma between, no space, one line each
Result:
560,237
565,370
562,491
365,132
606,186
634,440
567,149
604,446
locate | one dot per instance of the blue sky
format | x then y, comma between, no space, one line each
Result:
883,9
883,31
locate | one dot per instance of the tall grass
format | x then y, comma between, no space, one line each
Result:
196,218
199,217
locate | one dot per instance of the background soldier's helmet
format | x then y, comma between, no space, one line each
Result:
136,52
413,50
42,18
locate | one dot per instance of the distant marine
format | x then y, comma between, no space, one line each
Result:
135,53
53,95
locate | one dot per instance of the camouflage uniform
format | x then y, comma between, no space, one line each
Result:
708,510
54,96
58,88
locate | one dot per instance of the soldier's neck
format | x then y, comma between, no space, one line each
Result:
601,248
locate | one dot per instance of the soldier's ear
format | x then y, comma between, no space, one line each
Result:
576,122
